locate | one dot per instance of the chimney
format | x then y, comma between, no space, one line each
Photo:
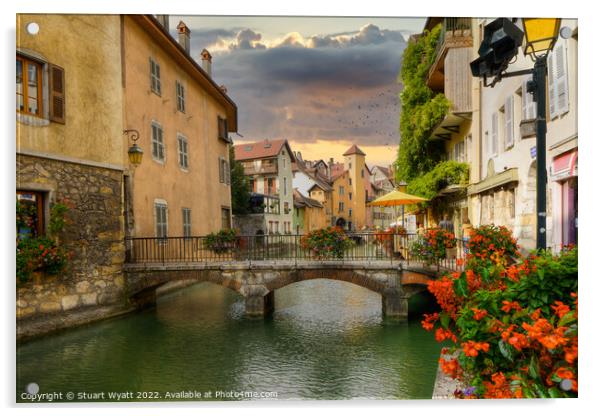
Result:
206,61
164,20
184,36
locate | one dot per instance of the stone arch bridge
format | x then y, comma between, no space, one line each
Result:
257,281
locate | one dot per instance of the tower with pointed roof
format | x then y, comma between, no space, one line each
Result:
355,164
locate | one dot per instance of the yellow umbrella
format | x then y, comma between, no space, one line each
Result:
396,198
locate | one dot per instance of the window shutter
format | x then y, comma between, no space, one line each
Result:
525,101
552,84
494,127
509,121
57,94
562,97
227,172
221,169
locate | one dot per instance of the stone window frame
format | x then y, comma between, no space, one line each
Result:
223,210
44,118
160,144
183,156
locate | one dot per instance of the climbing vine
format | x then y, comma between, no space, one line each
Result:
421,110
444,174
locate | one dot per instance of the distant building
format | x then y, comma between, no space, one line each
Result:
382,181
308,215
268,166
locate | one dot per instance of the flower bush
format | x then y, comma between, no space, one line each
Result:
329,242
492,244
221,241
432,245
513,327
40,253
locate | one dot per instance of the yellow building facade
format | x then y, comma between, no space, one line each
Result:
182,117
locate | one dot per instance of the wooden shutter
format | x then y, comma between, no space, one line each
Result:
57,94
494,127
227,164
562,97
221,169
509,121
552,84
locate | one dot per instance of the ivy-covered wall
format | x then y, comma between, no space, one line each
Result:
421,110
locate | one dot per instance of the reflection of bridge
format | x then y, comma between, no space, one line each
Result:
257,266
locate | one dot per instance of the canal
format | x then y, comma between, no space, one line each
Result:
325,340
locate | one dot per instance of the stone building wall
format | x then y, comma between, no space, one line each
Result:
93,234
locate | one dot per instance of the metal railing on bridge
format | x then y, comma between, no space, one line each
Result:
373,246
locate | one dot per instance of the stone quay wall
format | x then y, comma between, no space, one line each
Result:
94,279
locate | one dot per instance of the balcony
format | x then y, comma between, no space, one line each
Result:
260,167
450,72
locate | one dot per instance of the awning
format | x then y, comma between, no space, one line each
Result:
507,176
564,166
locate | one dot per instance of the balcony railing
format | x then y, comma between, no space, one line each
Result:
260,167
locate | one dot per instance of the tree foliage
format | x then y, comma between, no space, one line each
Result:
421,110
239,186
443,174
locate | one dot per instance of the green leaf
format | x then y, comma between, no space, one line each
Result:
567,319
444,319
533,368
506,352
461,286
554,392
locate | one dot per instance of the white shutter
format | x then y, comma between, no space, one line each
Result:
494,127
562,96
509,122
552,84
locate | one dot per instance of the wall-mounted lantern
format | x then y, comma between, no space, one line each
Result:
135,152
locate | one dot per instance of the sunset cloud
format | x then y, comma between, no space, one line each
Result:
340,87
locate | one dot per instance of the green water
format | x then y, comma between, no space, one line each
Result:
326,340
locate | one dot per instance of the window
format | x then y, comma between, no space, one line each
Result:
529,107
467,148
226,224
183,151
341,206
284,186
155,76
509,122
349,181
276,227
157,141
557,80
180,97
458,151
512,202
362,173
341,190
160,219
350,212
30,214
350,196
187,222
494,130
286,209
252,185
349,165
222,129
224,170
271,227
29,86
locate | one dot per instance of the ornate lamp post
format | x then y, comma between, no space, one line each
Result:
541,35
500,45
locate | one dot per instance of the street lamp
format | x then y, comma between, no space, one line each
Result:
135,152
495,53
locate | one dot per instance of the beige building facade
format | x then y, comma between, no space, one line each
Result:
183,118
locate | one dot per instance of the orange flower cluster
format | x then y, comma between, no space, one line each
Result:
499,388
479,313
508,306
443,334
560,309
428,322
544,332
472,348
450,367
567,374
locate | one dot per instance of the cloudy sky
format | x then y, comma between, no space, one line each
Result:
322,83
